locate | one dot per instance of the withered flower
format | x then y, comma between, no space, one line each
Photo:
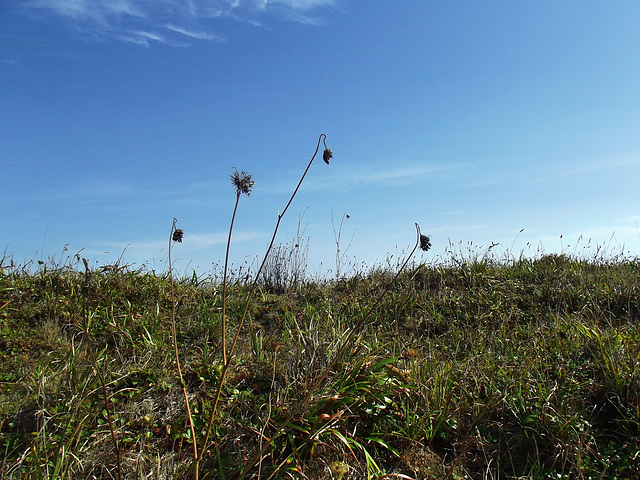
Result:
425,242
327,155
242,182
178,235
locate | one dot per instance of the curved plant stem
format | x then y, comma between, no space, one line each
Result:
175,351
254,286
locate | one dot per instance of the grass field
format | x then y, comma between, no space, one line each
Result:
473,368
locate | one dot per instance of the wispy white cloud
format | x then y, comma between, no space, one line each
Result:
296,10
394,176
631,160
363,176
193,242
199,35
459,228
184,18
136,39
302,5
150,36
410,173
141,37
205,240
87,10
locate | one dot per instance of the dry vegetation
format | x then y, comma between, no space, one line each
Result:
476,369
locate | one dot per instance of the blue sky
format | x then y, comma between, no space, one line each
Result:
475,119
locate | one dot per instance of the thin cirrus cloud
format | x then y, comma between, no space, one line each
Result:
141,37
388,177
199,35
302,5
410,174
171,22
100,12
395,176
629,161
192,242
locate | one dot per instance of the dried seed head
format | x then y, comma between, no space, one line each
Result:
327,155
425,242
178,235
242,182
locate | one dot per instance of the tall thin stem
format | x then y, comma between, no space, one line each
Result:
254,285
337,235
172,238
224,283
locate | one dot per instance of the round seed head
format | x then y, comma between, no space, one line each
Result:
242,182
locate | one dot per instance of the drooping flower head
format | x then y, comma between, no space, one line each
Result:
178,235
242,182
327,155
425,242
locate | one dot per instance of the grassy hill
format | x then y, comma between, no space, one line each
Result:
476,370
